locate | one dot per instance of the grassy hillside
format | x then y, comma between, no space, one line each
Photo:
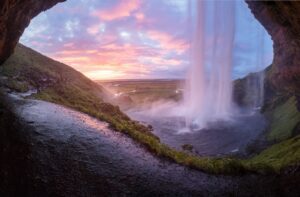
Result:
141,93
58,83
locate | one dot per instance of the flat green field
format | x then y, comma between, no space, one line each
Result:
143,92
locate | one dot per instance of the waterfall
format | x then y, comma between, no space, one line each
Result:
208,91
255,81
259,68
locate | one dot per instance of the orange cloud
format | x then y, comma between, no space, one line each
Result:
109,57
124,9
115,60
105,74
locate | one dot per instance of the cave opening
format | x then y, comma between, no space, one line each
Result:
133,58
126,48
141,61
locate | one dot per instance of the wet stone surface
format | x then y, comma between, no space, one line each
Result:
71,154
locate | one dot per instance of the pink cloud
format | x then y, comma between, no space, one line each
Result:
140,16
93,30
124,9
168,42
69,44
158,60
117,58
116,61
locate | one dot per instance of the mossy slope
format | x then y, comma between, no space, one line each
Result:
284,119
278,156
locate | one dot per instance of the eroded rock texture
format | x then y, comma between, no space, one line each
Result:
15,16
282,21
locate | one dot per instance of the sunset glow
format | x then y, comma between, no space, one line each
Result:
129,38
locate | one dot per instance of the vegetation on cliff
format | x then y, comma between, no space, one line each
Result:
279,156
284,119
280,108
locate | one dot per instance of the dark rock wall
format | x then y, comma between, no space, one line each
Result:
15,16
14,153
282,21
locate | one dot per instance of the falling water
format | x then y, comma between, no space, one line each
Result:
208,93
255,81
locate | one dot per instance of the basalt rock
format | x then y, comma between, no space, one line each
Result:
282,21
15,16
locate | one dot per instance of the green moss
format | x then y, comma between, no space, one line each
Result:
284,119
187,147
278,156
17,86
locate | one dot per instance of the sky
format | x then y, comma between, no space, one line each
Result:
136,39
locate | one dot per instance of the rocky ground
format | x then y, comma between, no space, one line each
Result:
61,152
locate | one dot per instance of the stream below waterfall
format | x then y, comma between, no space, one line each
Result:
217,139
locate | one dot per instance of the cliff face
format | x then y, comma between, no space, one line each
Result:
282,21
15,16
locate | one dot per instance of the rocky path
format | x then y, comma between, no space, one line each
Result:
71,154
